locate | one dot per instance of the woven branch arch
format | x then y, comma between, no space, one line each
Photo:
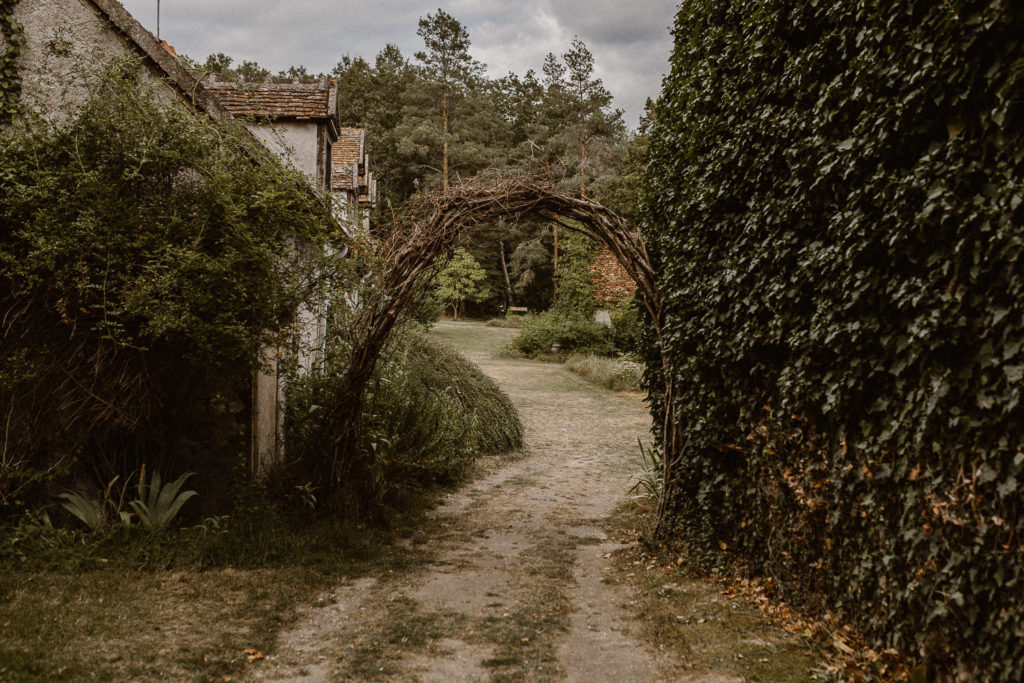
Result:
426,234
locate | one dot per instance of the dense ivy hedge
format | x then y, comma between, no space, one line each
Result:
834,197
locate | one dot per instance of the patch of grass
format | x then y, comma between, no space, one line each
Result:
711,624
112,624
401,625
512,322
473,338
615,374
527,640
137,607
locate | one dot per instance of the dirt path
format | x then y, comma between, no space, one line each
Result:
511,578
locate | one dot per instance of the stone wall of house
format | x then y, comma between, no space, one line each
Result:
67,46
295,142
612,284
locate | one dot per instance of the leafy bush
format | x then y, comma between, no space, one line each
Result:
616,374
834,201
574,280
141,270
627,330
575,334
429,413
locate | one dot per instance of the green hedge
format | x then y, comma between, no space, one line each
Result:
834,199
572,332
429,413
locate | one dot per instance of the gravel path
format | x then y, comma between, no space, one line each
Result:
511,578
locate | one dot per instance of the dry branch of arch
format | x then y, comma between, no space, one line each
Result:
423,236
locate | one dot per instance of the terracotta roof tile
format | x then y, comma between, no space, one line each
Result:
349,147
346,156
276,99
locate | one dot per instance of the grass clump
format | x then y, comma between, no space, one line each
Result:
616,374
508,322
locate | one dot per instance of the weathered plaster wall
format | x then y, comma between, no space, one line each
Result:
294,141
67,47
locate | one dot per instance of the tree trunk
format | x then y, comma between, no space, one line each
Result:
583,159
504,270
444,142
554,230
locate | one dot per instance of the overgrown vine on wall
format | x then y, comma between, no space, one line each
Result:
10,77
834,200
140,275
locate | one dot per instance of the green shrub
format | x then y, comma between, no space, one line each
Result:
834,198
575,334
616,374
141,247
627,330
429,412
574,279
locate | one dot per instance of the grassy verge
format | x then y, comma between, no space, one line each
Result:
615,374
717,628
92,607
511,322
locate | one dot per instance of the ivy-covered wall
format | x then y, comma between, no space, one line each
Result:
835,196
11,40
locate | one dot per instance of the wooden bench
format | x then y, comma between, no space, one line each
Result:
517,309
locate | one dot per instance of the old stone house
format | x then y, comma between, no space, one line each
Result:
68,43
298,121
353,183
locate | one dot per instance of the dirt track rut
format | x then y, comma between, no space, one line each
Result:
512,580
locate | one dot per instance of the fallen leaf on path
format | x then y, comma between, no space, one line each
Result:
841,645
254,654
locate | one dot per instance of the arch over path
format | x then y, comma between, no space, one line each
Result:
427,232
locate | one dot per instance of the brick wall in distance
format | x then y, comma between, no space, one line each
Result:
612,284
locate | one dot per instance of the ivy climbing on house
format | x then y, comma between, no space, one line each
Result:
10,77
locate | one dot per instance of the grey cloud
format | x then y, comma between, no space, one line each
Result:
630,41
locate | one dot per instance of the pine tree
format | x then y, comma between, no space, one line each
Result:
588,103
449,72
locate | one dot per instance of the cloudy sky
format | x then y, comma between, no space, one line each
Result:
630,40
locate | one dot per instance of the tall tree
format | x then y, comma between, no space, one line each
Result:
372,96
449,71
588,102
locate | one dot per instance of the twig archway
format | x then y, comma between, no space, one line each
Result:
427,232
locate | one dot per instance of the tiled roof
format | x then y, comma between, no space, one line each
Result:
349,147
276,98
346,158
